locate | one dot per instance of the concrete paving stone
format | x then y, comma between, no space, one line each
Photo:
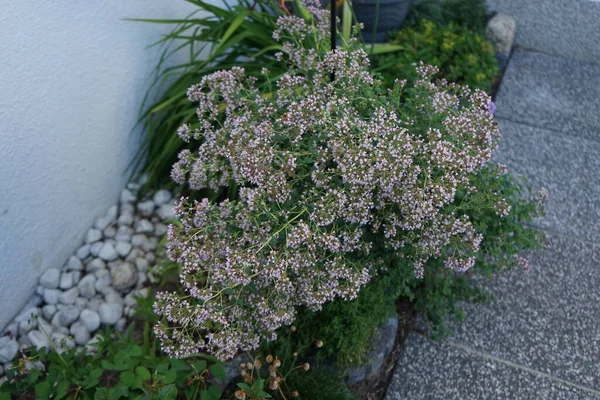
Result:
566,166
552,92
545,318
568,28
428,370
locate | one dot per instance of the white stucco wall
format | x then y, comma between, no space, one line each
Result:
72,76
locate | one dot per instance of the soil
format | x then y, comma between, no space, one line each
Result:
375,388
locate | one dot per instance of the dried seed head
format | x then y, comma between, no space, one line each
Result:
319,344
295,393
306,366
240,394
269,359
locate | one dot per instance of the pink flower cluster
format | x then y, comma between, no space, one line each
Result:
324,170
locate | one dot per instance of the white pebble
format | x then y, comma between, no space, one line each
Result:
93,236
146,208
90,319
83,252
108,252
161,197
74,264
66,280
127,196
166,212
123,248
110,313
50,278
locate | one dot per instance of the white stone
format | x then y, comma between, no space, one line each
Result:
86,286
108,252
61,340
66,280
103,281
83,252
38,339
50,278
110,313
68,315
127,196
96,264
112,213
93,235
160,230
151,257
111,296
48,311
161,197
81,302
90,319
44,326
94,304
8,349
138,240
142,278
125,219
146,208
500,30
123,248
92,345
150,245
39,290
142,264
74,264
76,276
127,208
95,248
80,333
69,296
51,296
166,212
110,232
144,226
120,325
101,223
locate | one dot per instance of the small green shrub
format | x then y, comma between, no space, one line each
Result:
462,55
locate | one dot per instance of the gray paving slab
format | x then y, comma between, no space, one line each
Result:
567,27
546,318
552,92
429,370
567,166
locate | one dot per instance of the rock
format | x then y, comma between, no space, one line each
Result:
103,280
68,315
123,248
74,264
80,333
50,278
123,234
76,276
150,245
112,213
144,226
125,219
38,339
127,208
8,349
127,196
83,252
146,208
161,197
66,280
93,235
90,319
48,311
133,255
120,325
45,327
81,302
51,296
94,304
142,264
151,257
110,313
39,290
92,345
142,278
138,240
160,230
110,232
500,30
69,296
28,314
124,276
110,296
96,264
86,286
95,248
166,212
101,223
108,252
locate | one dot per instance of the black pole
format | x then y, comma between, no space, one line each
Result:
333,33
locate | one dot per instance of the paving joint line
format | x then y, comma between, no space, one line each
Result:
490,357
576,135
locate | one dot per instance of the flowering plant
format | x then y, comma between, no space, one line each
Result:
337,181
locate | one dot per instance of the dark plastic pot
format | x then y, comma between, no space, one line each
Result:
391,15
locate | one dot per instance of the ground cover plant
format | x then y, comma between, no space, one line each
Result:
328,185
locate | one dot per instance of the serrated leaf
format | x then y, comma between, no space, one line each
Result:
43,390
170,377
128,378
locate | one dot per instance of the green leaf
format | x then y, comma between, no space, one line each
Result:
118,392
170,377
43,390
143,373
245,387
128,378
135,350
217,370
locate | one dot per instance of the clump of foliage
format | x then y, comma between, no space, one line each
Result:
335,182
462,55
117,369
214,37
471,15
